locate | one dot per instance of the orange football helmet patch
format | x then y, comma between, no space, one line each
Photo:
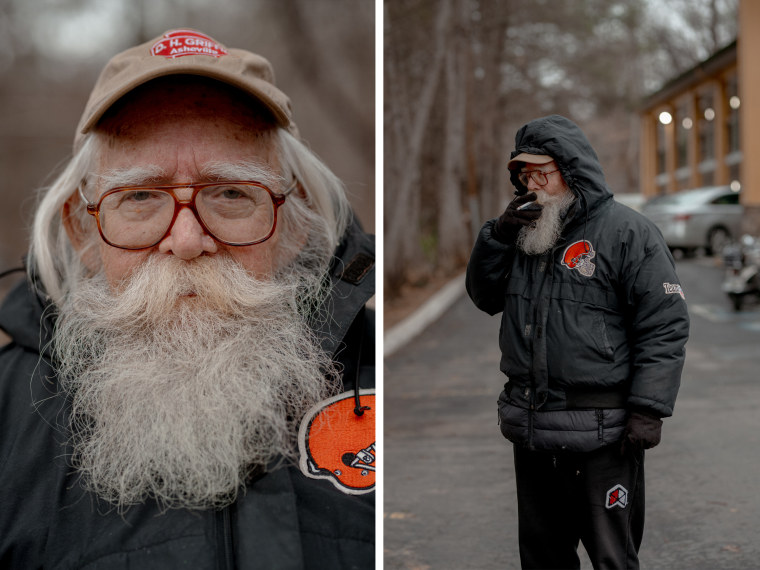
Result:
338,445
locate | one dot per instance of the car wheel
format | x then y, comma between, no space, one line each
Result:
717,239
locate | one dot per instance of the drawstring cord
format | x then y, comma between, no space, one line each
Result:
358,408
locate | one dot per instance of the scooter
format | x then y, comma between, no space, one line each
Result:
742,263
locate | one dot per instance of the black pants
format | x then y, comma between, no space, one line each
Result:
564,498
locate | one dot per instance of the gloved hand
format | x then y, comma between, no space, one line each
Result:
642,431
513,219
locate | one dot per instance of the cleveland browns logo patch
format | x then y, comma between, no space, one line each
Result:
578,256
338,445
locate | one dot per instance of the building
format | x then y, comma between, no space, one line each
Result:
701,128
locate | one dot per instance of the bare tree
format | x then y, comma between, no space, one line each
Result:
451,227
411,86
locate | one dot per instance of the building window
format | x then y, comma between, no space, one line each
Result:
706,125
661,146
732,120
684,124
706,136
734,175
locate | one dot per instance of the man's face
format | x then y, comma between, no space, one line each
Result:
556,197
189,362
179,132
555,184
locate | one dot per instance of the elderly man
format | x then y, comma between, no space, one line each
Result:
190,380
593,330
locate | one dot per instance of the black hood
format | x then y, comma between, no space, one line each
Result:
565,142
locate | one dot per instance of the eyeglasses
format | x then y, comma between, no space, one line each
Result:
537,176
234,213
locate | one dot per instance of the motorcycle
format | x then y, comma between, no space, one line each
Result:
742,264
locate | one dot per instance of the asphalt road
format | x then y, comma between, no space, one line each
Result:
449,482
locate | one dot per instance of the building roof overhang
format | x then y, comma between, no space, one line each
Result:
715,64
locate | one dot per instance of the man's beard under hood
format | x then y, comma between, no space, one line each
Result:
540,238
188,379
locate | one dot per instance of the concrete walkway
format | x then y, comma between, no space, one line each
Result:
424,316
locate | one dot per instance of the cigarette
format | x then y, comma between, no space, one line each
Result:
525,205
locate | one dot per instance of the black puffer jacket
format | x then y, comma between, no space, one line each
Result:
284,520
594,327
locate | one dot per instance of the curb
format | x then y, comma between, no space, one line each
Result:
423,317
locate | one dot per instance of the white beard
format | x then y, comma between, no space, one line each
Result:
541,238
185,381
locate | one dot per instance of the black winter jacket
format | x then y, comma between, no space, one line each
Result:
284,519
592,328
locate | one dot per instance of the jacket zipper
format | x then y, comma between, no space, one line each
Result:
532,410
600,424
225,553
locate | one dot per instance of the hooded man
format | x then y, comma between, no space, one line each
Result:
190,377
593,329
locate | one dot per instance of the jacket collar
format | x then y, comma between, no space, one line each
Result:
24,317
352,281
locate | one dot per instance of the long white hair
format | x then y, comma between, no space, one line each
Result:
322,208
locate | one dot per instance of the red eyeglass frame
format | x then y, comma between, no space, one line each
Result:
529,174
278,199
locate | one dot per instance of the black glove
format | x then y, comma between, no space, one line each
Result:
642,431
513,219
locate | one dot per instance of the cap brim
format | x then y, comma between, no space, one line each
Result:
524,157
253,87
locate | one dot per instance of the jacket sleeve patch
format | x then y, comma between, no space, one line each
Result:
673,289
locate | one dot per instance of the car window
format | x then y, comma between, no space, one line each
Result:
656,200
692,198
667,200
726,199
680,199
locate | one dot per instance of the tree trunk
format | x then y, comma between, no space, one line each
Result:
453,239
402,187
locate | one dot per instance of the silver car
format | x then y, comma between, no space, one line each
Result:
703,218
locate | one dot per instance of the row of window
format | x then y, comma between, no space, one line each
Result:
696,120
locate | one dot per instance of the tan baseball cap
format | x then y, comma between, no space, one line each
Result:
185,52
530,158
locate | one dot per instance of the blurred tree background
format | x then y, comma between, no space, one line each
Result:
51,51
461,76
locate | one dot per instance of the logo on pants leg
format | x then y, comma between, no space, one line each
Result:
617,497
